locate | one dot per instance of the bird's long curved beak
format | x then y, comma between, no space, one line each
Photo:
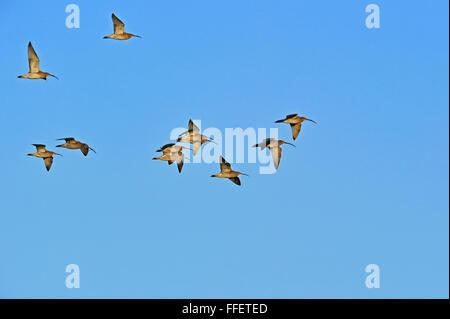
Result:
312,121
58,154
290,144
54,76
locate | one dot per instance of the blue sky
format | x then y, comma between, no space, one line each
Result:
368,184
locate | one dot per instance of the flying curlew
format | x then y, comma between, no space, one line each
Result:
227,172
119,30
193,136
172,153
73,144
46,155
275,148
296,123
33,62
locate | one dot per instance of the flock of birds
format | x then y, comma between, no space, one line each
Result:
70,143
172,153
33,59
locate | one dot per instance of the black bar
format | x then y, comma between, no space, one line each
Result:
227,308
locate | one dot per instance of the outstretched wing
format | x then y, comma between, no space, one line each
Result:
261,145
40,147
290,116
264,143
192,127
119,26
33,59
235,180
296,130
67,139
48,162
196,146
164,147
276,156
224,165
84,149
180,160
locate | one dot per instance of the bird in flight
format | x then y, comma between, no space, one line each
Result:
296,123
33,63
119,30
275,148
227,172
193,136
46,155
73,144
172,153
